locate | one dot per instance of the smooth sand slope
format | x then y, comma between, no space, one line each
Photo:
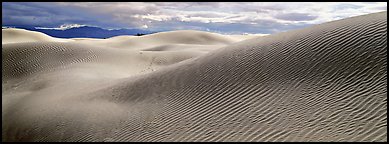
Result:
183,39
14,35
322,83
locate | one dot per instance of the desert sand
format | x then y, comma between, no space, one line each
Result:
14,35
326,82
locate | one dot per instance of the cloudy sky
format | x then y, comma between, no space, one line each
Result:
222,17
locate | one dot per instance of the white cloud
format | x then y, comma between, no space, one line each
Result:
145,26
63,27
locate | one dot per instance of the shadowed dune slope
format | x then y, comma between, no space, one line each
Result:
322,83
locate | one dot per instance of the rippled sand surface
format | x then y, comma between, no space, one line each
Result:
327,82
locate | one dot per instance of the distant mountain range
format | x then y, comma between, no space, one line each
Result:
84,31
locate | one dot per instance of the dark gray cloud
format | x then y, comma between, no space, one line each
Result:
50,15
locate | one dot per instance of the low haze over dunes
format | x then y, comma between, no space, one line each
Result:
326,82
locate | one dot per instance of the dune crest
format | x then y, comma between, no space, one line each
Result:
14,35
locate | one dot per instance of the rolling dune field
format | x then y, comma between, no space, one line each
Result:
326,82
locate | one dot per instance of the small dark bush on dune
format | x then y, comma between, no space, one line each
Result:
140,34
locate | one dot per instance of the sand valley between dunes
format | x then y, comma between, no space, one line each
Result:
326,82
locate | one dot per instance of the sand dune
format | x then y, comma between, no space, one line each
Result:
322,83
14,35
181,38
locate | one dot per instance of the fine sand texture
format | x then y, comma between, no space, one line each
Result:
326,82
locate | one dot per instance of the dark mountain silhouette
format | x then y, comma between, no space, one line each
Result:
86,32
